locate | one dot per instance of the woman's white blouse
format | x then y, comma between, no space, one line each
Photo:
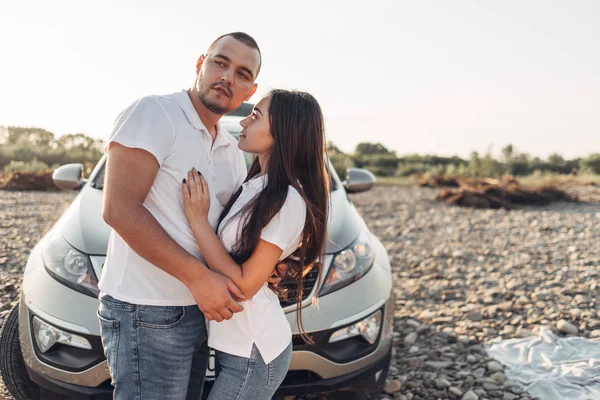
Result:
262,322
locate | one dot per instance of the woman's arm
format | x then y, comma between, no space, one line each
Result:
252,274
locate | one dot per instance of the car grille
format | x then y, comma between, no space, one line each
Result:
292,288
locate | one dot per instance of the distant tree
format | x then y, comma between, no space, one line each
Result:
366,148
508,152
340,160
36,146
591,163
3,134
490,166
474,166
332,148
36,137
79,141
556,159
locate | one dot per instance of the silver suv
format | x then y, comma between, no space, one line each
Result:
51,341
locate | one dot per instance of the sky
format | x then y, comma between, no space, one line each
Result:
437,77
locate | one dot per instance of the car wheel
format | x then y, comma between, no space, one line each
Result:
12,366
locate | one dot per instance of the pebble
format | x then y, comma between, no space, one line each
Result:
478,373
438,364
411,338
392,387
495,366
442,383
566,327
498,377
470,395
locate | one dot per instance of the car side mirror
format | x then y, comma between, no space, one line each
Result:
69,177
359,180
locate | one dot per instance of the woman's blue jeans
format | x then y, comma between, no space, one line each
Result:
251,378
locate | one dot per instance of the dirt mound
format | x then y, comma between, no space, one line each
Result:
41,181
506,193
438,181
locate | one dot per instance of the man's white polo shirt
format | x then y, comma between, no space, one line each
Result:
170,129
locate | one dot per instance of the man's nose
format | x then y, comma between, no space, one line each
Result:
227,76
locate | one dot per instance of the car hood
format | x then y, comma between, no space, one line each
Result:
83,227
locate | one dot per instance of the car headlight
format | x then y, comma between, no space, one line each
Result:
368,328
47,336
69,266
350,264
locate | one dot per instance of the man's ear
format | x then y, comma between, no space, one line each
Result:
199,63
254,87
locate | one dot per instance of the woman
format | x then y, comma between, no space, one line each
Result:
279,213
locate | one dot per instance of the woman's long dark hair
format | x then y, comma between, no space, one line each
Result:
297,159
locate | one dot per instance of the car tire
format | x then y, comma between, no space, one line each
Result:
12,366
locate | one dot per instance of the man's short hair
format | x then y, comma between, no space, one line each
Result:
240,37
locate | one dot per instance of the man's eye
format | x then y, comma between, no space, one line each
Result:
243,76
219,63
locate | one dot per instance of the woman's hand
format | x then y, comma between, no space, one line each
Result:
196,200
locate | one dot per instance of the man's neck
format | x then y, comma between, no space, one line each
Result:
208,118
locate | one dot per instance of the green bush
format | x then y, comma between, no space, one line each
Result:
341,162
591,164
31,166
35,145
410,169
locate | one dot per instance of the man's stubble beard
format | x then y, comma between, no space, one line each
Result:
215,108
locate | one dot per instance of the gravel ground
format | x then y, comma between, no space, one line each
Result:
24,218
462,277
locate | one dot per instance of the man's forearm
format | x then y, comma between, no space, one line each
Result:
142,232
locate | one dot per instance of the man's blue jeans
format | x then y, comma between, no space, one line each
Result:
154,352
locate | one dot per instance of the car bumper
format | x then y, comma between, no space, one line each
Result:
371,377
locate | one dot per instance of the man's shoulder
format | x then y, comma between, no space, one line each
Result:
152,104
164,101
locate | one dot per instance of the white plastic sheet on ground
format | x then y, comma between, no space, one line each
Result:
550,367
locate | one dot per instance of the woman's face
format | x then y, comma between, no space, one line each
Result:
256,130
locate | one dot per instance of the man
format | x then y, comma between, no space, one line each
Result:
155,289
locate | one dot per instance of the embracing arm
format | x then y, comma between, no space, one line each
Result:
250,275
124,211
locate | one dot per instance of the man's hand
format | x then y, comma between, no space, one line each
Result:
278,274
214,295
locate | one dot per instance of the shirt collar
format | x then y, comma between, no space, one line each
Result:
183,100
258,182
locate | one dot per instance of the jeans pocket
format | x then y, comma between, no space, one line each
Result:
109,334
159,317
